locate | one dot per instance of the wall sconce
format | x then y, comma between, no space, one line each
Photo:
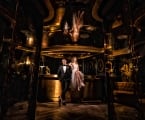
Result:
28,61
30,41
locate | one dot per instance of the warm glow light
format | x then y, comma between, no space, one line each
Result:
66,28
30,41
45,40
57,89
28,62
57,23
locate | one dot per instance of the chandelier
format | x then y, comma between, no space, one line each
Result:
77,23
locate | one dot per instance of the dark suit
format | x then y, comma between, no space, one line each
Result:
65,78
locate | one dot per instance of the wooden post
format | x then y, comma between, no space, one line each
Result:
34,82
109,81
111,111
37,21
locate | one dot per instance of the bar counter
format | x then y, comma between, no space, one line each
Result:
50,89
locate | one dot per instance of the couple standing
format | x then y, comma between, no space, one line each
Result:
69,74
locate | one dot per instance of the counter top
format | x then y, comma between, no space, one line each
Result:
54,76
51,76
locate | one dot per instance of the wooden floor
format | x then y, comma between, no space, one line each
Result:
72,111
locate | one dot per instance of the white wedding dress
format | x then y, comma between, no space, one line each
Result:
77,80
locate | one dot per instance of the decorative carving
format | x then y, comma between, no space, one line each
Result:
100,65
77,23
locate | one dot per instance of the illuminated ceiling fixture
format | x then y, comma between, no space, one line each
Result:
77,23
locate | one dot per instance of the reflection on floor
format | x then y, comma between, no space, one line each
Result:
72,111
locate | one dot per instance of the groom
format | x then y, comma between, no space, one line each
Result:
64,75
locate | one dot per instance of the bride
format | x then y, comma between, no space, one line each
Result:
77,80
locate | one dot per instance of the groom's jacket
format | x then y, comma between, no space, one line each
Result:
64,75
